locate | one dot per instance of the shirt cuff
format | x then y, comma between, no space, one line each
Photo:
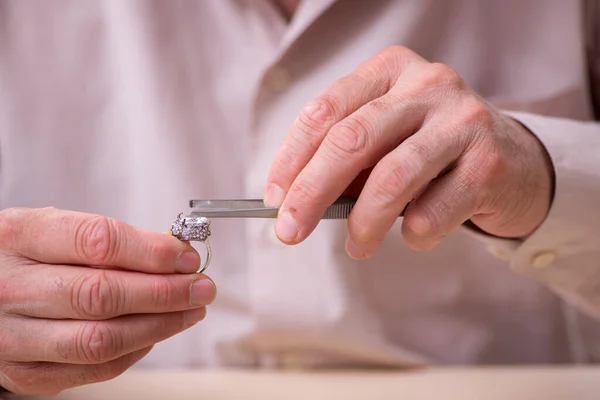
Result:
564,252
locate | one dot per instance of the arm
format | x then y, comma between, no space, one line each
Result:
434,144
564,251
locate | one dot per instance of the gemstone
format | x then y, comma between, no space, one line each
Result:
188,227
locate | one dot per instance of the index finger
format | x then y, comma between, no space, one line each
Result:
371,80
55,236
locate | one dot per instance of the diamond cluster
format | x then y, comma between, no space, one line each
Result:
187,227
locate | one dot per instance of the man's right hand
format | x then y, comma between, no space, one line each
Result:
84,297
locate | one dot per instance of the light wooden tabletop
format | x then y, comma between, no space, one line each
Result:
530,383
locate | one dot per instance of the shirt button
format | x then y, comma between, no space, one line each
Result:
278,79
543,259
499,253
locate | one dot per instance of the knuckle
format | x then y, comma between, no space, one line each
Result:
473,112
332,95
10,226
349,138
162,294
304,193
97,343
377,107
160,253
393,50
423,225
391,179
95,296
389,61
314,118
95,240
287,163
14,223
434,75
396,53
417,150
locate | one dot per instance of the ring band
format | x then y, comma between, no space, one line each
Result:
208,257
197,229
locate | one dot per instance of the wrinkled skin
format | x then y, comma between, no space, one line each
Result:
84,297
401,132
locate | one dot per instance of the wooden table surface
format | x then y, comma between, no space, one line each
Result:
530,383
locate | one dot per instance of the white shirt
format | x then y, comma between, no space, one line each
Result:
132,108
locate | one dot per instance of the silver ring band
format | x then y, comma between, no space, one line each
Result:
208,257
188,228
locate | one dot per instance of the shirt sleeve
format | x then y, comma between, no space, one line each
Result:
564,252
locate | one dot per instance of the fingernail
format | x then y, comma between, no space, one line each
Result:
353,250
434,243
194,316
286,227
188,262
202,292
365,250
274,196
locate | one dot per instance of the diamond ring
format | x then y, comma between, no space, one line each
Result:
190,228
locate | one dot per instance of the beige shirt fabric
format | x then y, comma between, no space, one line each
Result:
132,108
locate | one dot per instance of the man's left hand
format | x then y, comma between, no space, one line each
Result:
402,131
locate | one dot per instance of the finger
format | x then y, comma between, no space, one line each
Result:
396,180
61,292
351,146
368,82
362,139
444,206
353,190
51,378
66,237
90,342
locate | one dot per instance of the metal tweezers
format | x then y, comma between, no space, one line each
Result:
255,208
